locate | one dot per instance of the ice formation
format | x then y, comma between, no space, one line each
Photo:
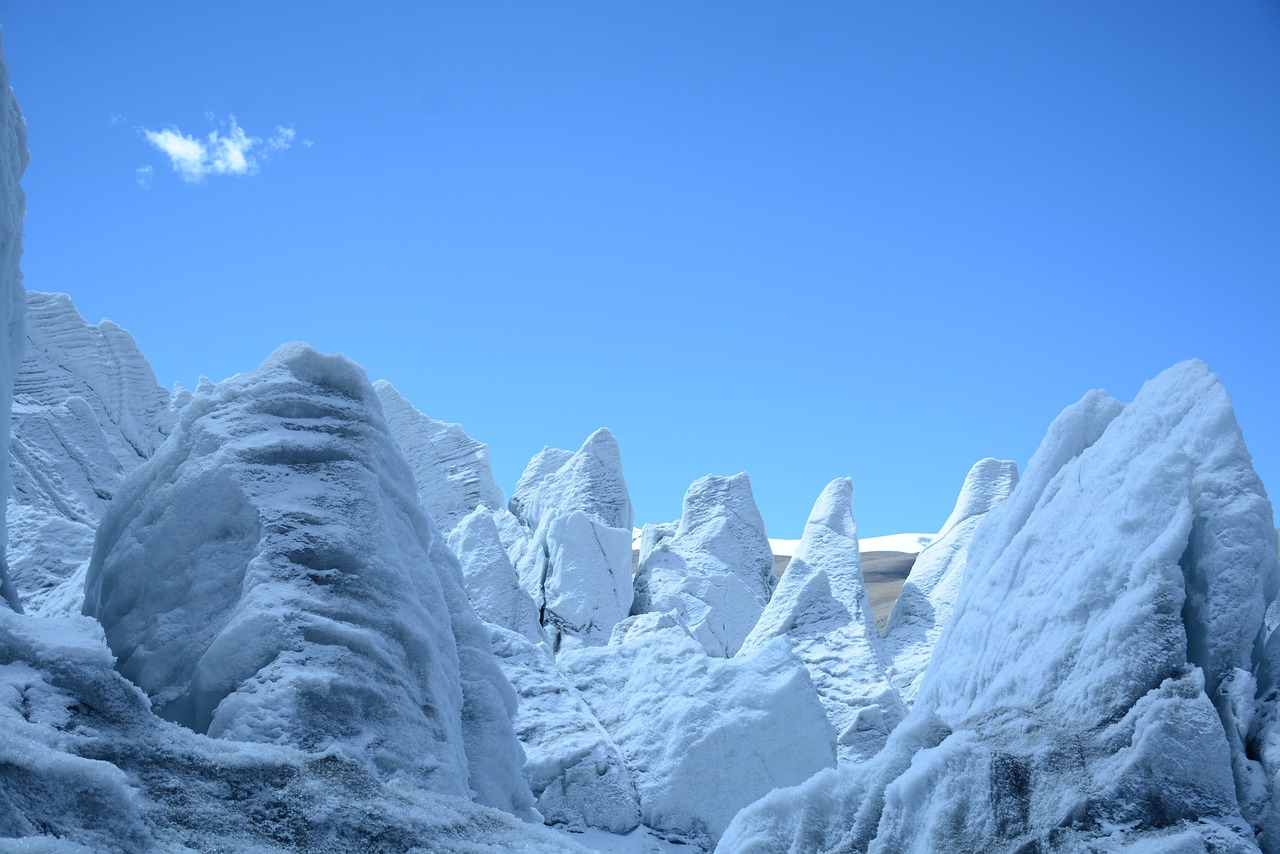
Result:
715,570
87,411
490,579
86,766
702,736
13,162
577,562
821,607
929,595
452,469
572,766
1096,684
269,576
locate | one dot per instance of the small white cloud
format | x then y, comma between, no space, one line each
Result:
114,119
226,152
143,175
307,143
281,139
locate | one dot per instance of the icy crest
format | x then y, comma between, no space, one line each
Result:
715,570
87,412
269,576
452,469
13,209
821,606
702,736
929,595
576,564
1097,675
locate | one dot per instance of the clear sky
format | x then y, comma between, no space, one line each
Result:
881,240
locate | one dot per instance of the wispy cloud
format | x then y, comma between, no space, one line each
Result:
226,151
143,175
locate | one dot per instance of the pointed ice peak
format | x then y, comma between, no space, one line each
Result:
590,480
834,510
452,469
715,570
719,500
204,385
988,483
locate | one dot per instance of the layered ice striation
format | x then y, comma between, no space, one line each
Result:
13,307
1095,686
269,576
702,736
575,557
452,470
929,594
715,570
87,411
821,607
572,766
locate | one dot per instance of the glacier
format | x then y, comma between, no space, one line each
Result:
290,612
1093,689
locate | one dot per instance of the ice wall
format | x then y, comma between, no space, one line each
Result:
13,162
87,411
452,470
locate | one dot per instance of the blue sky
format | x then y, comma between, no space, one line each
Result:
801,240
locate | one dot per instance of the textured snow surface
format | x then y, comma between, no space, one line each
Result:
87,411
715,569
86,766
573,768
269,576
929,595
576,563
821,607
1097,675
13,209
490,579
702,736
452,470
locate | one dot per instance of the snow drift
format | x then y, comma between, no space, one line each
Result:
1096,683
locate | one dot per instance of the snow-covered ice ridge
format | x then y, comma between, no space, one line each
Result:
289,612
